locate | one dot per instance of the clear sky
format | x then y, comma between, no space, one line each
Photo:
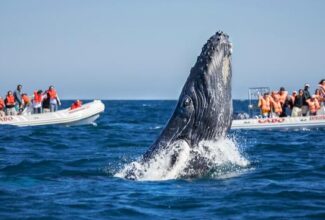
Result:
144,49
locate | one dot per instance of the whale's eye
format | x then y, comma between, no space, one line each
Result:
187,101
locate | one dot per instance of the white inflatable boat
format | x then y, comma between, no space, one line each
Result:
252,120
86,114
280,123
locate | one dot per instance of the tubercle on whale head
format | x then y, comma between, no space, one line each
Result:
204,108
209,86
216,44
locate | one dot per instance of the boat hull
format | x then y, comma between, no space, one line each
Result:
86,114
280,123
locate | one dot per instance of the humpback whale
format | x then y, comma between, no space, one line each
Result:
204,108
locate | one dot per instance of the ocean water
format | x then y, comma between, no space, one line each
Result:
75,172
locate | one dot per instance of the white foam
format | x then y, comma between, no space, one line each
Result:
155,127
222,157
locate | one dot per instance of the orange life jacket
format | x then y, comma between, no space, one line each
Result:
26,100
76,104
38,98
277,107
2,104
283,97
275,96
313,105
52,94
265,104
10,100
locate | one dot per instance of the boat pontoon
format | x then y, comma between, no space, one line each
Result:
86,114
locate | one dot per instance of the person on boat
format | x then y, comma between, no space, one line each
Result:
2,107
318,95
18,98
283,95
297,104
54,99
10,104
76,104
320,99
46,102
276,106
275,95
37,102
322,91
292,99
313,105
26,100
264,103
305,106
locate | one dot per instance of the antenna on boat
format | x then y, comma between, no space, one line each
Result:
253,96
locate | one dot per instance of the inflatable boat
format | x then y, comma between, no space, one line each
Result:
307,122
86,114
254,121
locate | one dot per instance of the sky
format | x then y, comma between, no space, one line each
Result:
144,49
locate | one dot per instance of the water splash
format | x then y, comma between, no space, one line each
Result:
213,159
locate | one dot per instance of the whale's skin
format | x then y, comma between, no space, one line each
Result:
204,108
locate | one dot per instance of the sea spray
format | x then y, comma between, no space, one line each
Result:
218,158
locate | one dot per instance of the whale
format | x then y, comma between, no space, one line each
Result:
204,108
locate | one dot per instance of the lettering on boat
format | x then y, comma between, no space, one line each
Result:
317,117
271,120
4,119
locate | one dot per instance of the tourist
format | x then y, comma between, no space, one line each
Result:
46,102
297,105
283,95
305,106
76,104
17,95
37,102
320,98
264,103
26,100
318,95
292,99
275,95
54,99
276,106
313,105
10,104
322,90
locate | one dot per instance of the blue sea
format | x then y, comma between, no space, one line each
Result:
58,172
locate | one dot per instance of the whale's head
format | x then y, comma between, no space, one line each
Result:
204,108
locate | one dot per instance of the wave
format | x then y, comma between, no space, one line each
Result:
211,159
